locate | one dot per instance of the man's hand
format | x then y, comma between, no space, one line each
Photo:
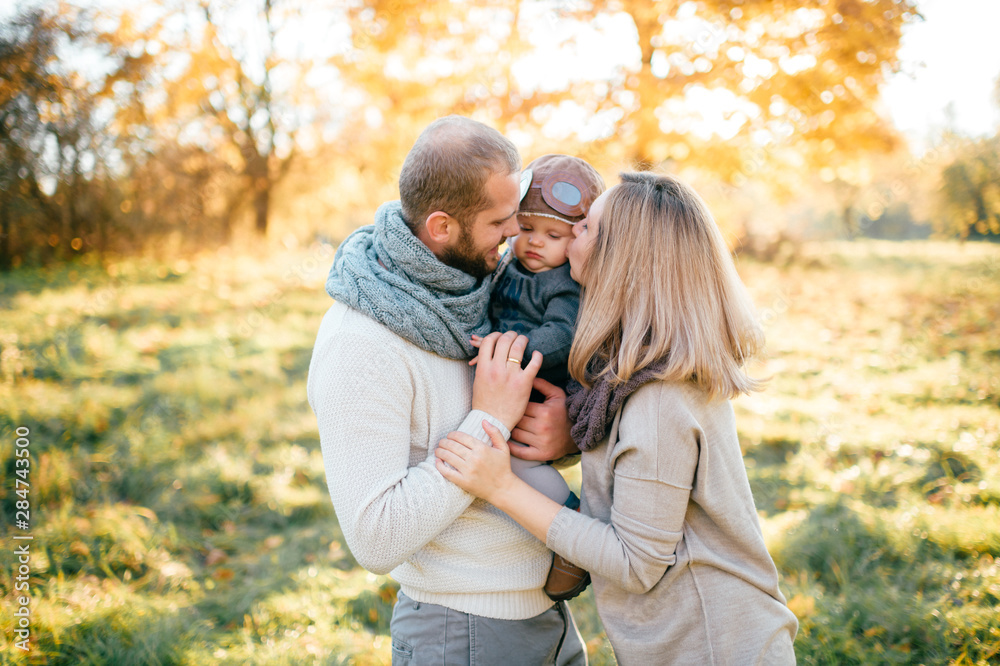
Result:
543,432
501,386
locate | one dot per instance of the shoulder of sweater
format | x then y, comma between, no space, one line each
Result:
677,402
351,326
358,333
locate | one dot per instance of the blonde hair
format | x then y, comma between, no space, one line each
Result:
661,285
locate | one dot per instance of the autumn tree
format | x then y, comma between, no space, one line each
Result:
407,62
179,120
225,100
788,86
27,47
57,137
796,84
969,198
200,112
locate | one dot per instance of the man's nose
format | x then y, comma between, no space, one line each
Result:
511,229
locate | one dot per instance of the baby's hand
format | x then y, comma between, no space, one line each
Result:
476,341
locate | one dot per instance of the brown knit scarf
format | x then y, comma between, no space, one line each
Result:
593,410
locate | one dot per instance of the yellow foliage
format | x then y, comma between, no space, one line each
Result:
802,605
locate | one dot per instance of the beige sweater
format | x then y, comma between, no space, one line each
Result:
681,573
382,405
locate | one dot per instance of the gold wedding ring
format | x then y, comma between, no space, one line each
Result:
514,360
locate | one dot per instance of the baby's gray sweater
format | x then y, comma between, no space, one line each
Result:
543,307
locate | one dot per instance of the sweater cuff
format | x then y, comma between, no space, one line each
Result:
562,525
473,425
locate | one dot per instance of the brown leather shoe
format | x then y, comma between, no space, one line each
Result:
566,580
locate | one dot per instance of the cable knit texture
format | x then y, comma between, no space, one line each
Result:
669,532
383,404
386,272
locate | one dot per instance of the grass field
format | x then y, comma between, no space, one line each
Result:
179,512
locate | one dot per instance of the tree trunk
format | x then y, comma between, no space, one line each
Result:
647,23
262,205
6,255
65,226
103,221
649,148
848,218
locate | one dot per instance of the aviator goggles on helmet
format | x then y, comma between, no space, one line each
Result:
562,191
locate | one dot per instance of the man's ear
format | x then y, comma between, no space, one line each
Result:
439,227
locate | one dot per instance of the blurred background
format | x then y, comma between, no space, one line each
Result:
185,125
174,179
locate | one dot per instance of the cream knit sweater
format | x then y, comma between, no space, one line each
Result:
382,405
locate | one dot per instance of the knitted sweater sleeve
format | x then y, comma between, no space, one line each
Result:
654,466
388,505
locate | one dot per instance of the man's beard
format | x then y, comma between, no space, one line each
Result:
465,257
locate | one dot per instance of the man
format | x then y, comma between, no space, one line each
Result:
389,378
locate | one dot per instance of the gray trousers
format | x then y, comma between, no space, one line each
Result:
432,634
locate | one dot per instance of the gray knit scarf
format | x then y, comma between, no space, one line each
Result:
593,410
386,272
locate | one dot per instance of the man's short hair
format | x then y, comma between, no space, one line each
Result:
447,169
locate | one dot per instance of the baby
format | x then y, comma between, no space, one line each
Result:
533,294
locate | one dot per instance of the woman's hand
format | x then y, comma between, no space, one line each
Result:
474,467
501,388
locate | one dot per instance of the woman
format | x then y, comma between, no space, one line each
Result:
668,526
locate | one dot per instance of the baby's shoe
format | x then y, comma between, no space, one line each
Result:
566,580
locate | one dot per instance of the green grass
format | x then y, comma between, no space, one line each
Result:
180,513
872,454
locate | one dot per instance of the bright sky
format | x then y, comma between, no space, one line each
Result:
948,59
